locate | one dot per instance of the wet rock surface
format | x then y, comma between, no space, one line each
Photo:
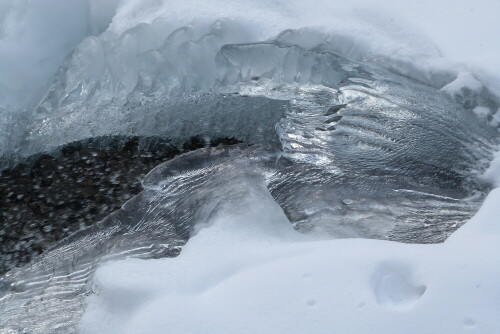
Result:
50,196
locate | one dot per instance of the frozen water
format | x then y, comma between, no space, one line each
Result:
188,194
157,79
401,151
345,148
353,135
185,190
127,35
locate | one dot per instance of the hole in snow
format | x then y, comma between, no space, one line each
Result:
393,285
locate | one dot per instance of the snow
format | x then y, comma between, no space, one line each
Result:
464,79
481,112
492,174
35,36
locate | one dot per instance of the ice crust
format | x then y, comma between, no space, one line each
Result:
140,81
115,81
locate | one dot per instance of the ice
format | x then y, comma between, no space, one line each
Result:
356,124
341,148
155,223
402,149
234,196
152,79
138,52
35,37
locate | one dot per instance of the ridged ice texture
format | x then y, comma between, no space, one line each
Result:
353,149
158,79
46,296
379,154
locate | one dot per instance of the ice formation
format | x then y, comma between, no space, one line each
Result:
349,133
157,52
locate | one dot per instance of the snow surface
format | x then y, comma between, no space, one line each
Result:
35,36
492,174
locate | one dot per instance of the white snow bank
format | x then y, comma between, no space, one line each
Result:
236,277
